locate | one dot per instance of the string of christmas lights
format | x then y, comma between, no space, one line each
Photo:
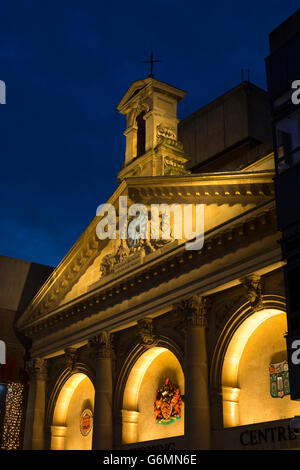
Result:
13,416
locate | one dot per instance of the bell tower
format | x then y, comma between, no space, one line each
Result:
152,147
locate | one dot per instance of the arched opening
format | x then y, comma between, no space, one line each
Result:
141,134
146,377
256,344
72,424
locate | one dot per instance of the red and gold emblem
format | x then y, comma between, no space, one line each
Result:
167,405
86,422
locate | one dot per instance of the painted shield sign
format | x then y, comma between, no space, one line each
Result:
86,422
167,405
279,379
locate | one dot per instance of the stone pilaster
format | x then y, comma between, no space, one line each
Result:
58,434
216,405
197,406
131,143
130,421
102,424
34,437
231,405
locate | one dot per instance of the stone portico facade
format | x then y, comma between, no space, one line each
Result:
113,321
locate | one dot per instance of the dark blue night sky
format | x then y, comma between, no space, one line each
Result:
67,65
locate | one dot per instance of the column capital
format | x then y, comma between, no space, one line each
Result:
194,310
37,368
102,345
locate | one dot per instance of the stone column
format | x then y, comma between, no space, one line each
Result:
131,143
102,423
34,425
196,403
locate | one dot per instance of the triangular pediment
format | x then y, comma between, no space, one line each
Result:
149,82
134,88
228,198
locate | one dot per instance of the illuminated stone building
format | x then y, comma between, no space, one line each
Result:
119,321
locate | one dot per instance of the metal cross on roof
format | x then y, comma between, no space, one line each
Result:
151,62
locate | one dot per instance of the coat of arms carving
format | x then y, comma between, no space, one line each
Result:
168,402
127,250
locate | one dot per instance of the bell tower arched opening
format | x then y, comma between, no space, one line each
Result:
141,134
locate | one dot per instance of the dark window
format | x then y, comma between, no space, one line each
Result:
288,141
294,291
141,134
